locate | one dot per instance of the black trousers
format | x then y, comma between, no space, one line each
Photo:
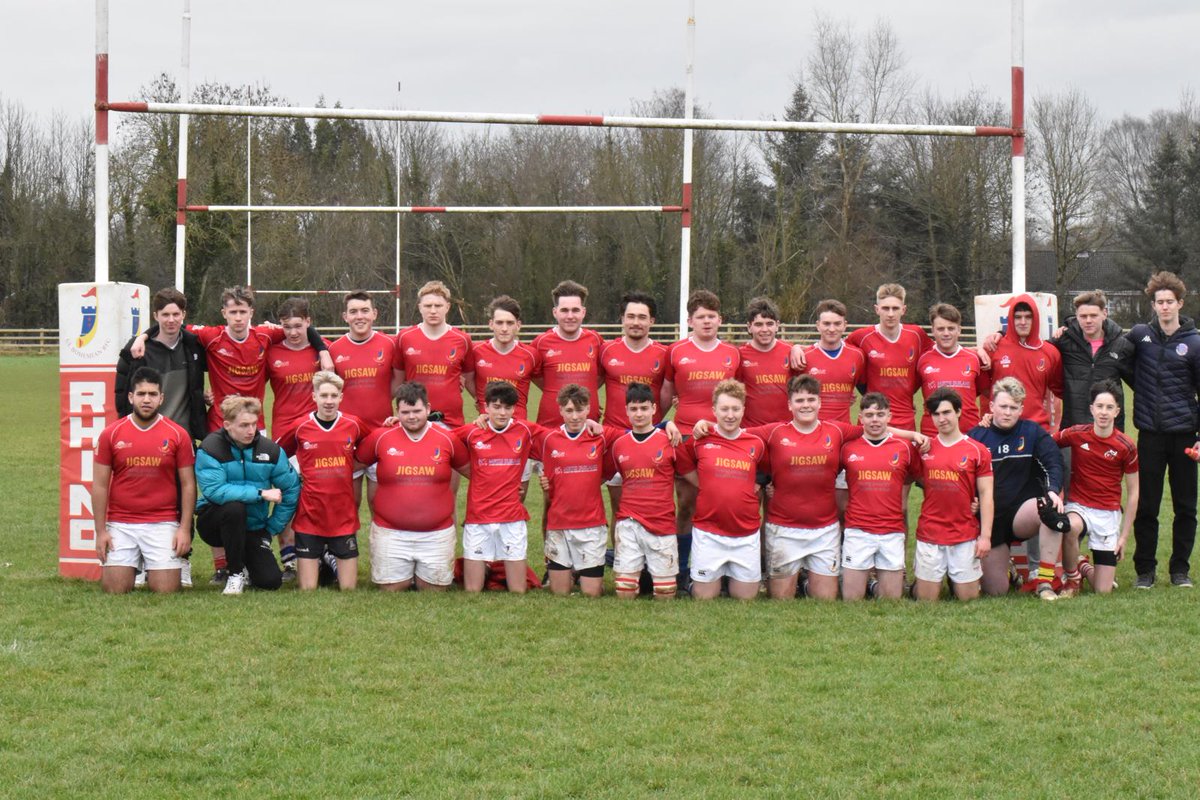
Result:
1161,454
225,526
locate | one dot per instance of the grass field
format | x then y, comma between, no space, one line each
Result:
372,695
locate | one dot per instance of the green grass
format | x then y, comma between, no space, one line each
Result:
371,695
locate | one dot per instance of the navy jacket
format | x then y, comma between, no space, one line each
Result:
227,471
1025,461
1166,378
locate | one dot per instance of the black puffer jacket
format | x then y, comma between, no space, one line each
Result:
1113,361
1167,377
158,356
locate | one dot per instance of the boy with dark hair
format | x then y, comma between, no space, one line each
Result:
764,365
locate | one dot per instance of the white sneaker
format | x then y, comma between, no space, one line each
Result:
139,581
236,583
185,574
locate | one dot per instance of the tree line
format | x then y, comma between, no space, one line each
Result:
797,216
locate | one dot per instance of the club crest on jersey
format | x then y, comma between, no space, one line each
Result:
164,446
966,371
437,454
520,369
1020,444
1110,454
520,443
895,460
729,361
1041,364
827,444
453,352
658,457
595,451
912,353
753,451
962,462
657,366
1181,349
379,356
349,445
591,350
87,326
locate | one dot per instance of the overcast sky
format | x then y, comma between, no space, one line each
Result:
564,56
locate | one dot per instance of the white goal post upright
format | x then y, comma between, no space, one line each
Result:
1018,146
685,222
185,92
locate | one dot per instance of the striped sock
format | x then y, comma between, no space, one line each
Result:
1072,577
1045,572
287,554
219,562
1086,569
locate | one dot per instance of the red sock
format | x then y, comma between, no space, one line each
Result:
219,562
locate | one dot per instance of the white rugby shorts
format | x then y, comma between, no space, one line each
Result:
865,551
637,547
1103,527
578,548
933,561
715,556
396,556
149,542
495,541
818,550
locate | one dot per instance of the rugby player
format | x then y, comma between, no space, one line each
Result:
503,357
726,540
840,367
879,467
1026,465
364,359
1020,353
326,521
892,349
955,472
567,353
239,472
495,528
291,365
633,357
644,534
143,492
412,522
949,364
764,368
436,354
695,366
1101,456
576,529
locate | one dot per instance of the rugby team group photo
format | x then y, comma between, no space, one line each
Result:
701,467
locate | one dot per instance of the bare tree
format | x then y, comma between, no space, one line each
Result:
1068,172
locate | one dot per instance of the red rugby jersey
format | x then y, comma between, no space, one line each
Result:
438,364
766,377
497,461
290,372
236,367
840,375
875,475
366,367
948,475
574,466
804,468
328,505
1098,465
892,367
563,361
621,367
516,367
1039,369
728,468
414,476
695,373
647,469
960,371
145,463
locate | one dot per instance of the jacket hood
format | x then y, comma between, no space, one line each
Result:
1034,339
1186,325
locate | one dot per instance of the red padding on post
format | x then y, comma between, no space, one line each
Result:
429,209
686,220
569,119
181,208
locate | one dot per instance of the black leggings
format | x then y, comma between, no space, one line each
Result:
225,526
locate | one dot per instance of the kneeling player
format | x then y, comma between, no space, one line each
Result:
1026,464
954,473
572,473
724,470
644,534
1100,455
412,520
879,466
143,492
495,528
327,519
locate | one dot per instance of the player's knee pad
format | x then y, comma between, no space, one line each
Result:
664,587
554,565
1104,558
626,584
592,572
